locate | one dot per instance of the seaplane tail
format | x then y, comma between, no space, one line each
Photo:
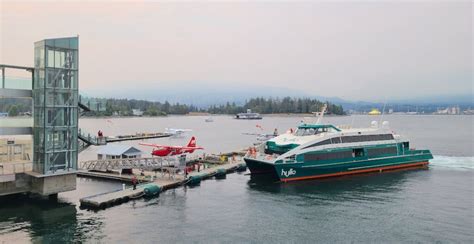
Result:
192,145
192,142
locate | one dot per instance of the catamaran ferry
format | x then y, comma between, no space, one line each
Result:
318,150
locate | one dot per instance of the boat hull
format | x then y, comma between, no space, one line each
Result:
286,172
257,167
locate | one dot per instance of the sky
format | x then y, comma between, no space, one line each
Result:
368,51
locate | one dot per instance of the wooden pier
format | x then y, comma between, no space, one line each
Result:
89,139
163,181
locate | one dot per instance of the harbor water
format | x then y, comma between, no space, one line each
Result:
424,205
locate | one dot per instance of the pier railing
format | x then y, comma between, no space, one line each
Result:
91,139
150,163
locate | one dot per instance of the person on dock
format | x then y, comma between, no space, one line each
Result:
100,135
134,182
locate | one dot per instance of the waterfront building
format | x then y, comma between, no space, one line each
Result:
118,152
54,92
137,112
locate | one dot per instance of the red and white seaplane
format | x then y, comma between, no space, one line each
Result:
165,151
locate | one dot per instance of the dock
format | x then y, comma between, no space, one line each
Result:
162,181
108,176
108,199
89,139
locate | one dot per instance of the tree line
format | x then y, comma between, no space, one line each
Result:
125,107
262,105
277,105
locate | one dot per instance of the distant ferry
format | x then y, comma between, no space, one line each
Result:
248,115
322,150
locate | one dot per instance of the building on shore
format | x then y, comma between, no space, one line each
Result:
454,110
137,112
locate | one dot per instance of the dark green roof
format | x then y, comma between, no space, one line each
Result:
316,126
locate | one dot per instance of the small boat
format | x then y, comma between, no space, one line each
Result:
248,115
318,150
209,119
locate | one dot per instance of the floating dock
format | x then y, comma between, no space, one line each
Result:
109,176
162,182
108,199
138,136
89,139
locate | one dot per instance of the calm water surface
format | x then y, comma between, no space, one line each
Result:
409,206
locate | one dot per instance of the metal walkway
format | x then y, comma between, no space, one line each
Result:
89,139
149,164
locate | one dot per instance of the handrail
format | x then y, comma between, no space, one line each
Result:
140,163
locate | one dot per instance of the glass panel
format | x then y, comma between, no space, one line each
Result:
57,59
50,58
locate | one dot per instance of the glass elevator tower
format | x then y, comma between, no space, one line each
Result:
55,100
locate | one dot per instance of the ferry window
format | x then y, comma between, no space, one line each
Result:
325,142
349,139
327,156
406,145
381,151
358,152
336,140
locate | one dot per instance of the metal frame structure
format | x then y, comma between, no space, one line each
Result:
55,96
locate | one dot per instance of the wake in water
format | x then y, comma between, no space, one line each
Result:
460,163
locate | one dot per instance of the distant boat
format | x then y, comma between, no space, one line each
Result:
209,119
374,112
177,132
248,115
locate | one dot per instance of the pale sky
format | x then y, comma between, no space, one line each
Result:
353,50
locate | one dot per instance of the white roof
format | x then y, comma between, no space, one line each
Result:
117,150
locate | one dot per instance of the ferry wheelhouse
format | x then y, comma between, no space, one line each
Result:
323,150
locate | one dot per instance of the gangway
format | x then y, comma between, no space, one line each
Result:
149,164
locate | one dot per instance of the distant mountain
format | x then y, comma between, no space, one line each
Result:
205,97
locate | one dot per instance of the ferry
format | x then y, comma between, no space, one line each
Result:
248,115
318,150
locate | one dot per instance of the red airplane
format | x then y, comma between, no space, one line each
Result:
163,151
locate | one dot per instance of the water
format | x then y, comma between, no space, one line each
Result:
434,205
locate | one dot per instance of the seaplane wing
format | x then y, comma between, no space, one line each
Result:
154,145
251,134
190,146
170,147
172,130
